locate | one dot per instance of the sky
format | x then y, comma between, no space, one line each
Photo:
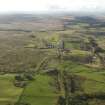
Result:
52,5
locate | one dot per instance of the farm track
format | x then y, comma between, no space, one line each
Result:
63,82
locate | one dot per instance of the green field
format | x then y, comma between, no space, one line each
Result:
40,91
9,94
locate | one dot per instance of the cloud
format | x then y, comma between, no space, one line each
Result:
50,5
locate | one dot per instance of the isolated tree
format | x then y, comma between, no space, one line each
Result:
73,85
62,44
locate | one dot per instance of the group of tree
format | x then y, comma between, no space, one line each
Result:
96,50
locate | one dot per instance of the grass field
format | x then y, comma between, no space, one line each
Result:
40,91
9,94
93,79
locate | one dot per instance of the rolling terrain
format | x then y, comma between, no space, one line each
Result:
52,60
